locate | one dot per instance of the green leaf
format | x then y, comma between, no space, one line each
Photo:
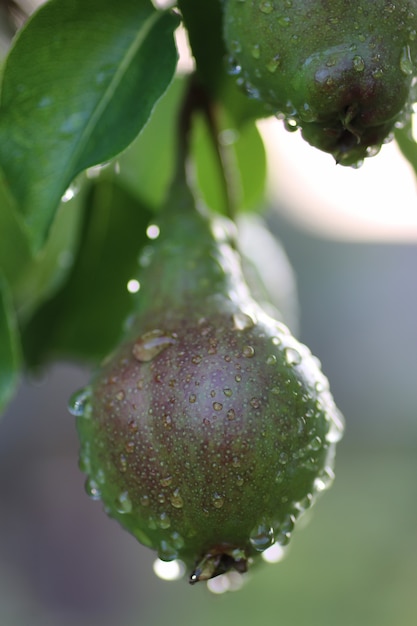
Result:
9,347
245,161
79,84
31,277
15,253
207,167
250,158
50,266
147,166
407,145
85,318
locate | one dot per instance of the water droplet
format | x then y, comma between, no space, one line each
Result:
44,102
256,51
167,422
177,541
266,7
321,385
358,63
284,530
133,285
336,430
163,521
291,125
271,359
235,46
123,463
217,406
255,402
70,193
176,499
167,552
124,504
79,404
292,356
120,396
239,480
262,537
228,392
212,346
406,63
315,444
231,414
172,570
130,447
92,489
242,321
273,64
196,359
218,500
152,523
283,458
307,114
248,352
132,425
165,481
284,21
324,479
192,398
153,232
238,378
232,66
144,500
274,554
151,344
372,150
279,478
84,462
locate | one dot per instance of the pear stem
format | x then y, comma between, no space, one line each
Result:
196,99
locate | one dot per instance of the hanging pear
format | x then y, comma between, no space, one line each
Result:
342,71
210,429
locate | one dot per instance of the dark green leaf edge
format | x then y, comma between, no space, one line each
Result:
10,353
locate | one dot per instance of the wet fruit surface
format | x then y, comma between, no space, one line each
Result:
210,429
342,71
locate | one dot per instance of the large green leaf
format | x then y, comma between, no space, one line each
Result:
31,277
9,346
147,166
79,84
85,318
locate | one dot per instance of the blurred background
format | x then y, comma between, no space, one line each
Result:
350,237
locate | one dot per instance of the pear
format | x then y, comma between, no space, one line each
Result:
342,71
210,429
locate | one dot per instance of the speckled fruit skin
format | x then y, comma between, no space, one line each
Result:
341,70
210,429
